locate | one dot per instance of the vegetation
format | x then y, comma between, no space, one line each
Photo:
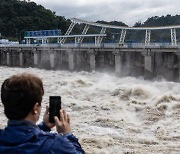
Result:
17,16
157,35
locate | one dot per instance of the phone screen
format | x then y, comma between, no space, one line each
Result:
54,107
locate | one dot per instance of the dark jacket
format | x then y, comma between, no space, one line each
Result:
23,137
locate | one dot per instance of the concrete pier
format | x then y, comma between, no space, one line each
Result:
78,60
35,58
148,64
20,58
92,60
52,59
3,57
71,59
127,71
118,62
8,58
178,68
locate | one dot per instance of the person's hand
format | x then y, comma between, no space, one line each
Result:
63,124
46,118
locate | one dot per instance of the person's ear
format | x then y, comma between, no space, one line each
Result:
36,108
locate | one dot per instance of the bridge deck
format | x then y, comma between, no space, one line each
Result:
85,47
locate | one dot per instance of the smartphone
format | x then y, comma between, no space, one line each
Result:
54,107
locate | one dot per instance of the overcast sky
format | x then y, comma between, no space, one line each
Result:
127,11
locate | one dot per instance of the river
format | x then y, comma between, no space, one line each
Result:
113,115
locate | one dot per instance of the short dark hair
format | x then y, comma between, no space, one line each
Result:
19,94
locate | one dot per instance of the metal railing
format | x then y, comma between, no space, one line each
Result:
102,45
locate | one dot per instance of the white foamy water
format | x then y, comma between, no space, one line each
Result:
112,115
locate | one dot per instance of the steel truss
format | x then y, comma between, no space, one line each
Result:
148,37
62,41
80,39
124,27
173,37
122,37
99,39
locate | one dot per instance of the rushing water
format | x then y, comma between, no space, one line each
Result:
113,115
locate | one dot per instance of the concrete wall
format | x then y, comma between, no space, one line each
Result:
147,62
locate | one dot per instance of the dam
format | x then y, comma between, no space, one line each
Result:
149,62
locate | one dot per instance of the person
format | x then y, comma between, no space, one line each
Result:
21,96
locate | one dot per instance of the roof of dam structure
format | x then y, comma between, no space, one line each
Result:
76,20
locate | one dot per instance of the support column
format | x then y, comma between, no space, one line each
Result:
92,60
8,58
148,37
170,62
4,57
28,41
0,56
128,63
78,59
52,59
76,41
68,32
118,62
58,40
43,41
158,64
47,41
61,57
173,37
148,64
80,39
178,67
122,37
71,59
20,57
35,57
98,39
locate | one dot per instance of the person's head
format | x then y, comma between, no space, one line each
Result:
20,94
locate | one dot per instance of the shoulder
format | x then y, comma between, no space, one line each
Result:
56,143
53,136
1,131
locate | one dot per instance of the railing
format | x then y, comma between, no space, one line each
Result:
102,45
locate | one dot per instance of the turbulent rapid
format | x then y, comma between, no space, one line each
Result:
113,115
